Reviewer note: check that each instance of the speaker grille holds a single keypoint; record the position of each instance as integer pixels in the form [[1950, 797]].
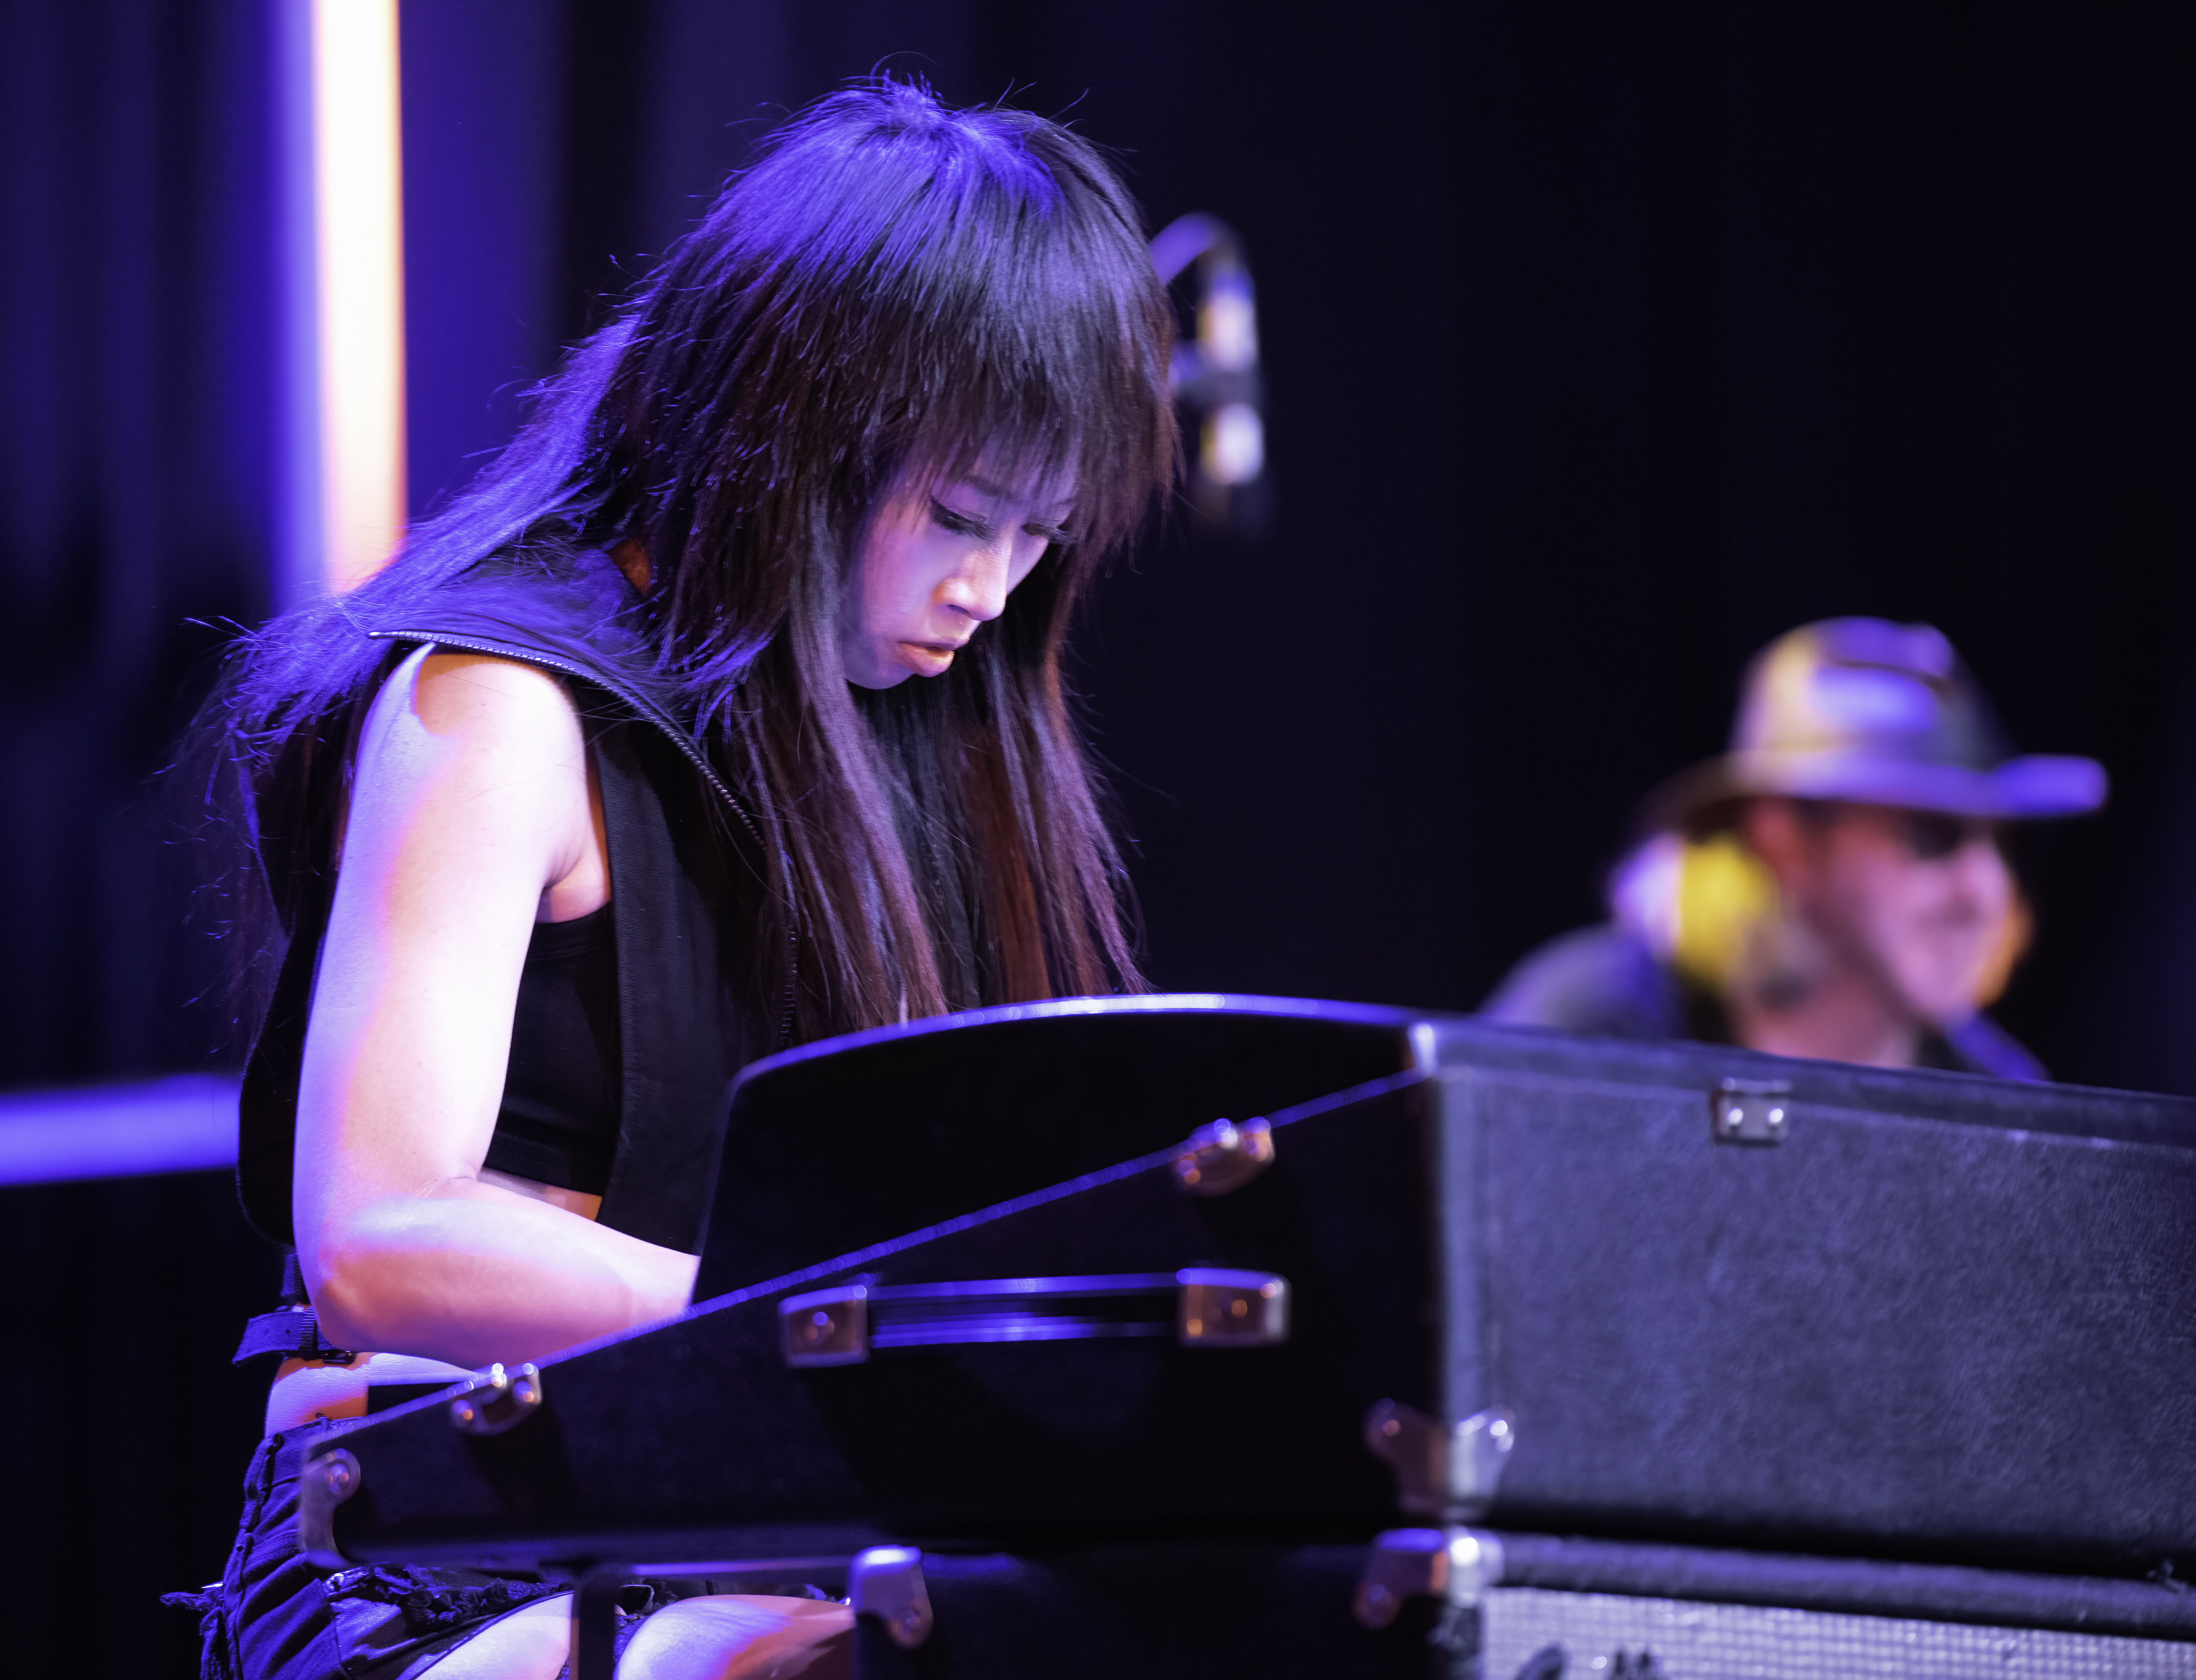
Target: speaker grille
[[1601, 1636]]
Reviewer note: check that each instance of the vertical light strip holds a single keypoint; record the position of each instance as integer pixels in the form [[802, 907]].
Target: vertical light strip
[[301, 564], [359, 251]]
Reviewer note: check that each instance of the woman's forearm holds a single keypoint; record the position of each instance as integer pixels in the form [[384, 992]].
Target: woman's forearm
[[471, 1273]]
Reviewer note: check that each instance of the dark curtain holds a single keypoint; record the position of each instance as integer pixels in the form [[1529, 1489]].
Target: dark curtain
[[1606, 341], [135, 494], [1780, 312], [136, 361]]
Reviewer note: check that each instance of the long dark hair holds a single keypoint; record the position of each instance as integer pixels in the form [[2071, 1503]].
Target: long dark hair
[[892, 288]]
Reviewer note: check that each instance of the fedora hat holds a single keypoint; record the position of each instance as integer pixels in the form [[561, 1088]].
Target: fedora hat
[[1879, 713]]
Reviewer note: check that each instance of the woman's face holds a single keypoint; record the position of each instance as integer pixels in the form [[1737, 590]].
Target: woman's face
[[939, 559]]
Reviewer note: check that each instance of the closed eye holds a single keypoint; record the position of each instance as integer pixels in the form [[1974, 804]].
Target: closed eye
[[960, 524], [1051, 534]]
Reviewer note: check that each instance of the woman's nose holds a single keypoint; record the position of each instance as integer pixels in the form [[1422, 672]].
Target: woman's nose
[[980, 588]]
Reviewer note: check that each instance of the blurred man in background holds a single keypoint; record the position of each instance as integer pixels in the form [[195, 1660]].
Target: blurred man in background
[[1832, 886]]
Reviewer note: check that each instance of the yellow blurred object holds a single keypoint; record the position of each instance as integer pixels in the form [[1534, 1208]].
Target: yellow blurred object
[[1727, 902], [2011, 944]]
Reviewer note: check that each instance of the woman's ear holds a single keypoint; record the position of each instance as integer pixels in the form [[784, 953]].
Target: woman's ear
[[631, 558]]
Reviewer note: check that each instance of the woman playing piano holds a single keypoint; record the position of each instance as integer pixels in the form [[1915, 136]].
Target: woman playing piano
[[616, 779]]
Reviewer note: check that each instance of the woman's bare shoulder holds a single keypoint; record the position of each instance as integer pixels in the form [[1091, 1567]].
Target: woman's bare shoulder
[[484, 748], [453, 691], [472, 705]]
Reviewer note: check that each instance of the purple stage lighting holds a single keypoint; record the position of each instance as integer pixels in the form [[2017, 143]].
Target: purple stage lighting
[[187, 1124]]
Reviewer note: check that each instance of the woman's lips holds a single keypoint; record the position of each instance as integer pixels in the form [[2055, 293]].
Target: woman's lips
[[929, 659]]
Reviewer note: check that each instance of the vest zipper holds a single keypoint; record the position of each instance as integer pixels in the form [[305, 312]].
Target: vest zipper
[[668, 726]]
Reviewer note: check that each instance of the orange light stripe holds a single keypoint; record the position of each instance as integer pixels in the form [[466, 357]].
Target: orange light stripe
[[359, 246]]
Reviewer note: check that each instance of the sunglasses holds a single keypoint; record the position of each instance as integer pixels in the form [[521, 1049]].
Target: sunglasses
[[1932, 836]]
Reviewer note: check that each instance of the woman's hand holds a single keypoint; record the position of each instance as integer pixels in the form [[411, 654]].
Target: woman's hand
[[471, 817]]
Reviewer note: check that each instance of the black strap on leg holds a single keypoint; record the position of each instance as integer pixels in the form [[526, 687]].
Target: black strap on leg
[[292, 1330], [594, 1625]]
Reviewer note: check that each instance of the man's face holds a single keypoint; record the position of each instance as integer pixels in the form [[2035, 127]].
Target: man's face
[[1918, 901]]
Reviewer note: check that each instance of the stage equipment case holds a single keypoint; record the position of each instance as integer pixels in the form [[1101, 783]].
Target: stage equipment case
[[1093, 1290]]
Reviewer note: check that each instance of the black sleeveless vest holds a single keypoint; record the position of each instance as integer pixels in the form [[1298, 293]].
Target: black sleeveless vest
[[699, 988]]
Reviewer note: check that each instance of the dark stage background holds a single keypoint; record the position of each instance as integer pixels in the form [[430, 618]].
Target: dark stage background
[[1604, 342]]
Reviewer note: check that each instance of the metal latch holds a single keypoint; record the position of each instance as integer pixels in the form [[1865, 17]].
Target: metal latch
[[887, 1582], [497, 1399], [1230, 1309], [1454, 1565], [1199, 1306], [1447, 1471], [323, 1484], [825, 1327], [1224, 1156], [1749, 1111]]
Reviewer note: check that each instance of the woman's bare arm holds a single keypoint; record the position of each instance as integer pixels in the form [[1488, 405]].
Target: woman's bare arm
[[470, 810]]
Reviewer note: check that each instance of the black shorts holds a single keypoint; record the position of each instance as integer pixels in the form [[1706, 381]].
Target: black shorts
[[273, 1616]]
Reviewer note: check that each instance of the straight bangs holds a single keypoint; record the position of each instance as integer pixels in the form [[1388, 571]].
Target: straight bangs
[[893, 290], [1029, 340], [1004, 309]]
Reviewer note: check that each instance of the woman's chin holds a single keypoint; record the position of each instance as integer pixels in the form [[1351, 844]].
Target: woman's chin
[[869, 669]]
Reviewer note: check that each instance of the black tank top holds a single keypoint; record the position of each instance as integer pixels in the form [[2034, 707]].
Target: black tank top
[[559, 1120]]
